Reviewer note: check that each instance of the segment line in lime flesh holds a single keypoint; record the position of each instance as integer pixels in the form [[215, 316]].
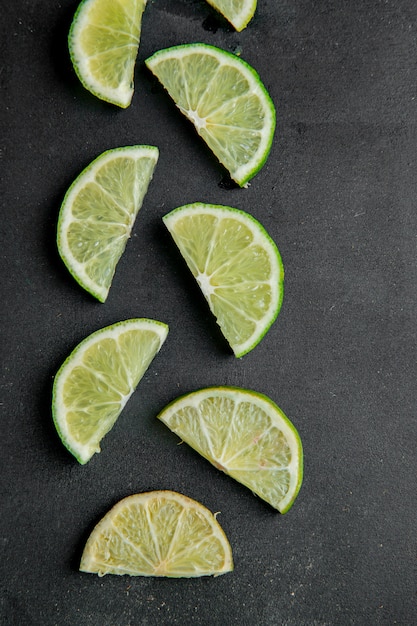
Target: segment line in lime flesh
[[238, 12], [97, 379], [225, 99], [244, 434], [159, 533], [98, 213], [103, 43], [237, 266]]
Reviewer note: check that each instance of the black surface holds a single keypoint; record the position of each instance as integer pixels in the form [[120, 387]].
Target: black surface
[[338, 195]]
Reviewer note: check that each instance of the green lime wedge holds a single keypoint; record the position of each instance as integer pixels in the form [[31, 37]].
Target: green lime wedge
[[103, 44], [244, 434], [98, 213], [160, 533], [238, 12], [97, 379], [237, 266], [226, 101]]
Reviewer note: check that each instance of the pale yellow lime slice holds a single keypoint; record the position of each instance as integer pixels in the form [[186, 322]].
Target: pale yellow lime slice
[[244, 434], [237, 266], [97, 379], [225, 99], [103, 43], [160, 533], [98, 213], [238, 12]]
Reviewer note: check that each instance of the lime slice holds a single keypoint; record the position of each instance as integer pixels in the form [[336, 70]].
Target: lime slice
[[98, 213], [244, 434], [226, 101], [160, 533], [237, 266], [238, 12], [97, 379], [103, 44]]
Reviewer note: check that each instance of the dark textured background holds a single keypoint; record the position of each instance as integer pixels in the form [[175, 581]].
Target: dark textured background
[[338, 195]]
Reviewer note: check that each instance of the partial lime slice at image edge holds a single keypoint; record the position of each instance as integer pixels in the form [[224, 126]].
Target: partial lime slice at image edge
[[244, 434], [103, 43], [159, 533], [225, 99], [94, 383], [237, 266], [99, 211], [238, 12]]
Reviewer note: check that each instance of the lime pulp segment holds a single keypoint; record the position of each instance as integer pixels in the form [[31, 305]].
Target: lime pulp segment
[[97, 379], [98, 212], [244, 434], [103, 43], [225, 99], [237, 266], [160, 533]]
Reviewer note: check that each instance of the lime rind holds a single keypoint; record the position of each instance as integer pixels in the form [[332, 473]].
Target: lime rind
[[238, 12], [121, 92], [88, 175], [261, 238], [84, 452], [220, 137], [206, 447]]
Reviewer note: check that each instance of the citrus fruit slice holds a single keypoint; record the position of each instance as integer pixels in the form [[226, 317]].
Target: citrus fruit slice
[[103, 43], [226, 101], [238, 12], [94, 383], [160, 533], [244, 434], [237, 266], [98, 213]]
